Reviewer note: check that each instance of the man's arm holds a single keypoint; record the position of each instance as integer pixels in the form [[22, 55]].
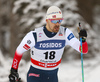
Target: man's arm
[[27, 43], [75, 43], [83, 35]]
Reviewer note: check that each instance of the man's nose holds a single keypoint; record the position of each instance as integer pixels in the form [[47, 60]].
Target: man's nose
[[57, 23]]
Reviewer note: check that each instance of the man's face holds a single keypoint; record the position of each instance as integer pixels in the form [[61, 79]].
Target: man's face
[[53, 25]]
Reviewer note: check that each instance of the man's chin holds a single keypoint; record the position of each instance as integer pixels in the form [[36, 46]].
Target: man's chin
[[56, 31]]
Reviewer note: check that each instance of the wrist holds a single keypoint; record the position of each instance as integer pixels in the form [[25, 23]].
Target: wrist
[[83, 39], [13, 70]]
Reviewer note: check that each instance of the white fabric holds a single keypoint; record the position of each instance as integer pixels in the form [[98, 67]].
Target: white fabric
[[53, 12], [74, 42], [29, 36]]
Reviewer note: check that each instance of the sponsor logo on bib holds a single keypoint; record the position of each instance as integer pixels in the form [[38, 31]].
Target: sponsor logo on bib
[[50, 44]]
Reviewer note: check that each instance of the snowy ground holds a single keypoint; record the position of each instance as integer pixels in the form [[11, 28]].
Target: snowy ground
[[71, 71], [68, 72]]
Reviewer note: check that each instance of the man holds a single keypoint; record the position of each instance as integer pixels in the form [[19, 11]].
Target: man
[[47, 45]]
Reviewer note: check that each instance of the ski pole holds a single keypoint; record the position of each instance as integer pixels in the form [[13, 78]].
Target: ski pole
[[81, 55]]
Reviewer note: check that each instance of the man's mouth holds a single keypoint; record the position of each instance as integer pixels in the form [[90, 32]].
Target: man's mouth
[[57, 27]]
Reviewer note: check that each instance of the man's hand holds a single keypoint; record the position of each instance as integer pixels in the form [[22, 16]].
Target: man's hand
[[14, 76], [83, 34]]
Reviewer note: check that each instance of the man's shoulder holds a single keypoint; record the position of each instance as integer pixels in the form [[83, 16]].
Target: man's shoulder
[[31, 32], [38, 29], [62, 27], [35, 30]]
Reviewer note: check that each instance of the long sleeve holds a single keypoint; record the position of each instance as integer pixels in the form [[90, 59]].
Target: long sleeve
[[27, 43], [72, 41]]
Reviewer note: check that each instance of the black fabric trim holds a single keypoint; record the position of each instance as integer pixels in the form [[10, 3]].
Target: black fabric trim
[[48, 33], [35, 37]]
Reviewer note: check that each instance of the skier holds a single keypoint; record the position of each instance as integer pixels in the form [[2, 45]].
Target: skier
[[46, 45]]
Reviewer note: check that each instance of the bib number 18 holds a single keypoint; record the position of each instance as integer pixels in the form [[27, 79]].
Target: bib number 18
[[50, 55]]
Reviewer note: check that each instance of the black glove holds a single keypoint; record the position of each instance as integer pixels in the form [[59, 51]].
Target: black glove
[[14, 76], [83, 35]]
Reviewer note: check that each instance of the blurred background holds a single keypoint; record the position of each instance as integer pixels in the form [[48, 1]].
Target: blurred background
[[18, 17]]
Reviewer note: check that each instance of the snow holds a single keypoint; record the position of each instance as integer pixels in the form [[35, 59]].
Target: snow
[[32, 5], [69, 71], [18, 4]]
